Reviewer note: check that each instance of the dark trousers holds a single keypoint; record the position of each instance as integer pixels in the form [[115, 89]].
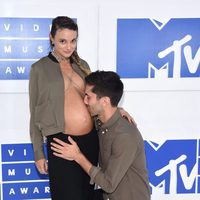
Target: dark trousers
[[68, 181], [98, 194]]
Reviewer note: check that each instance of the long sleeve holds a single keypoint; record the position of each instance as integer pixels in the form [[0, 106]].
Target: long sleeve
[[121, 159], [35, 134]]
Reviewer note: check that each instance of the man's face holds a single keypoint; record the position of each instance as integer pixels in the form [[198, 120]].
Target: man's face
[[94, 104]]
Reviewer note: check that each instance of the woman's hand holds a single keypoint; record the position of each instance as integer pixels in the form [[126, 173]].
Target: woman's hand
[[42, 166], [126, 115]]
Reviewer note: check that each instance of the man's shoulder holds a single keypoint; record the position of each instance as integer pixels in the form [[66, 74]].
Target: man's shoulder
[[123, 123], [123, 126]]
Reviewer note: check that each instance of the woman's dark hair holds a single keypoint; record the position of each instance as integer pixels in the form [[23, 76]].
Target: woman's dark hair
[[64, 22]]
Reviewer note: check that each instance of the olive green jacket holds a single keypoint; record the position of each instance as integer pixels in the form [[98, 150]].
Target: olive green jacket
[[46, 100], [122, 172]]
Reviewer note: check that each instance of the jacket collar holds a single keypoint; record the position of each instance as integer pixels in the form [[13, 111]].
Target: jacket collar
[[52, 57], [115, 117], [74, 66]]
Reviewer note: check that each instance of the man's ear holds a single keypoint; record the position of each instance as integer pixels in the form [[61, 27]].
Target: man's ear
[[106, 101]]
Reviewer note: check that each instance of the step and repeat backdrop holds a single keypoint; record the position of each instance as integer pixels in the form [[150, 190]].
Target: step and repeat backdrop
[[154, 47]]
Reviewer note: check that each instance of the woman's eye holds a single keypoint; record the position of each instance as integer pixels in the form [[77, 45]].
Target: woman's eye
[[62, 41]]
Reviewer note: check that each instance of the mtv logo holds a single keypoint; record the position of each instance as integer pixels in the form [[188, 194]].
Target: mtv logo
[[159, 189], [156, 73], [141, 42], [173, 169], [160, 23]]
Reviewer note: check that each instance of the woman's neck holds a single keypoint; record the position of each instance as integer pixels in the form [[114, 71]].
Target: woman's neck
[[58, 57]]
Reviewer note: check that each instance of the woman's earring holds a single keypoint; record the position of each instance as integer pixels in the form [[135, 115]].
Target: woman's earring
[[53, 48]]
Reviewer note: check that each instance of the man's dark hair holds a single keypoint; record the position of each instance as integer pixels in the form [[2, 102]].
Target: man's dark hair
[[106, 83]]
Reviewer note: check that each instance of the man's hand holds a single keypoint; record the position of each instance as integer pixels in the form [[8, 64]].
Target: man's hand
[[42, 166], [70, 152], [67, 151]]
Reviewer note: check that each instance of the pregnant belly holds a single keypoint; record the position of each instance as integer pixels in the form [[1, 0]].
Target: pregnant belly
[[77, 118]]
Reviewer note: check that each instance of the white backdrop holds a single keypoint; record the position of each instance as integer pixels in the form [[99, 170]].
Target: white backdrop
[[167, 111]]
